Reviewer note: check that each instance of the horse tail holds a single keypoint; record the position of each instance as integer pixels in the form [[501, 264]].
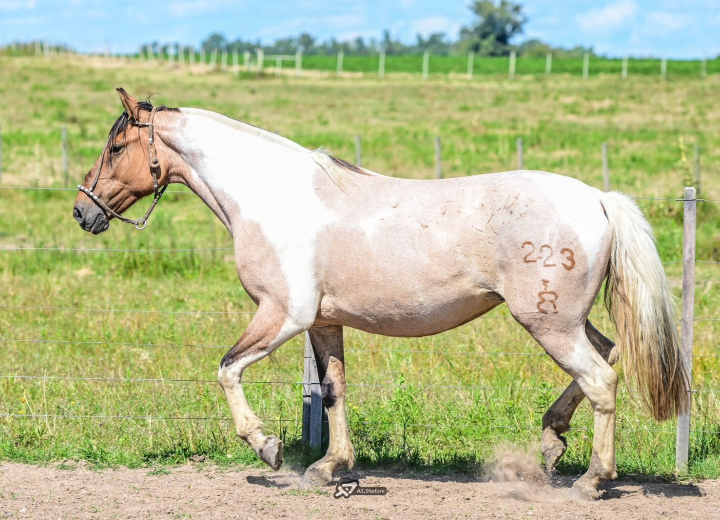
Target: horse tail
[[642, 307]]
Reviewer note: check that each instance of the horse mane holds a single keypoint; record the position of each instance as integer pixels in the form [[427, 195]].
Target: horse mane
[[122, 122], [339, 170]]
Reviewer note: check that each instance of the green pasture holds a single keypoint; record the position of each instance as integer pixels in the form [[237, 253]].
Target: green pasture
[[438, 404]]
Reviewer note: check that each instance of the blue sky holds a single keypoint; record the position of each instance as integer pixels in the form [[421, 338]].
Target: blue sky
[[671, 28]]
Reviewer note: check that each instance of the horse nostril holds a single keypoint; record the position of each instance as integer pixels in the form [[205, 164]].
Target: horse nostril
[[77, 214]]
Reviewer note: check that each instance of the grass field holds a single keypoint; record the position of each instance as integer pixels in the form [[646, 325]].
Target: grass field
[[409, 399]]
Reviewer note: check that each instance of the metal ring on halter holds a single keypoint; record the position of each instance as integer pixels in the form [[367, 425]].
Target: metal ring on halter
[[140, 226]]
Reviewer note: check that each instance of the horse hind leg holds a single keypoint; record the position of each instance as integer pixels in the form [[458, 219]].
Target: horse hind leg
[[327, 344], [556, 420]]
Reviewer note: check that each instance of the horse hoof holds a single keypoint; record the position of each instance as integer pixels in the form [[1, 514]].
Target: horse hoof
[[553, 447], [272, 452], [315, 477], [584, 489]]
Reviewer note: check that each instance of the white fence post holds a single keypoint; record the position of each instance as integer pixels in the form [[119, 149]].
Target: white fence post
[[381, 65], [682, 448], [663, 68], [520, 153], [426, 65], [340, 57], [438, 158], [236, 63], [298, 63], [624, 72], [548, 63], [260, 60], [471, 60], [606, 171], [511, 68], [586, 65], [246, 61], [312, 399]]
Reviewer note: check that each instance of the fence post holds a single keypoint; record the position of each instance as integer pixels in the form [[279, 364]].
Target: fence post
[[358, 150], [471, 59], [381, 66], [278, 65], [548, 63], [623, 74], [586, 65], [682, 448], [223, 64], [438, 158], [698, 184], [312, 399], [663, 68], [246, 60], [298, 63], [66, 169], [340, 57], [260, 60], [606, 171], [426, 65], [511, 68], [520, 153], [236, 63]]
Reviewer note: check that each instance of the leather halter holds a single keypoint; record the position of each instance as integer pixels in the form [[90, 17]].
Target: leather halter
[[155, 171]]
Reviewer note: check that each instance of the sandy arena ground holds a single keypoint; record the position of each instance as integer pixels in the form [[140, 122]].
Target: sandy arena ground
[[201, 491]]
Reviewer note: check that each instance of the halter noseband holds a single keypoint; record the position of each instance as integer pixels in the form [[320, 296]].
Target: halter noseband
[[155, 171]]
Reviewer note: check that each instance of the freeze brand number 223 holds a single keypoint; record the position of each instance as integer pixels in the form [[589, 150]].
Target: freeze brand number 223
[[546, 255]]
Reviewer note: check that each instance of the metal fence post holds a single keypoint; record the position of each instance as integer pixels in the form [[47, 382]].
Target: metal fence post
[[682, 448], [312, 399], [438, 158]]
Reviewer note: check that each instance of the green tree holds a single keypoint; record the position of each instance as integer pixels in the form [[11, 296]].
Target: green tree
[[495, 26]]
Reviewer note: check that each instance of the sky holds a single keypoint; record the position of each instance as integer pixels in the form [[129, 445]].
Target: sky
[[661, 28]]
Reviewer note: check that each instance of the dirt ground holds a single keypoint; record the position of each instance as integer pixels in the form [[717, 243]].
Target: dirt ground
[[202, 491]]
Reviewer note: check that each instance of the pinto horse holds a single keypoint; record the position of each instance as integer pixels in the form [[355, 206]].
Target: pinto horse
[[321, 244]]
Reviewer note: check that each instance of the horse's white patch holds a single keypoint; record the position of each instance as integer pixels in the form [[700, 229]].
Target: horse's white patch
[[282, 202], [577, 205]]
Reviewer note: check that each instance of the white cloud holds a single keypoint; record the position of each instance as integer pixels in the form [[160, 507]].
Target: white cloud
[[609, 18], [667, 22], [17, 5], [435, 24]]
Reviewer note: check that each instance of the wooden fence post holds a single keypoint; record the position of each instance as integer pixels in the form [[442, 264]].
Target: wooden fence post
[[312, 399], [260, 60], [682, 448], [698, 184], [663, 68], [236, 63], [606, 171], [426, 65], [520, 153], [340, 57], [358, 150], [381, 65], [438, 158], [586, 65], [298, 63], [66, 168], [471, 60], [548, 63], [624, 72], [246, 60], [511, 67]]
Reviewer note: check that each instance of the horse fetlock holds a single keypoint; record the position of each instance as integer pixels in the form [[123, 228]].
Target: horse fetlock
[[271, 452], [319, 474], [586, 488]]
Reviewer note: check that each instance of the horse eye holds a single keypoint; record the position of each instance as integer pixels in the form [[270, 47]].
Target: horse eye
[[116, 149]]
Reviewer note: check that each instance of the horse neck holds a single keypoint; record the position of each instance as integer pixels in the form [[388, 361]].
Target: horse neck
[[230, 163]]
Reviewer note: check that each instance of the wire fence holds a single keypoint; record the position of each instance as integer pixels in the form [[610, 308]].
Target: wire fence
[[165, 380]]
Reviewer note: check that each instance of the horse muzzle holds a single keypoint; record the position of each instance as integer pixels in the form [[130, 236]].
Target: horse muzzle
[[91, 219]]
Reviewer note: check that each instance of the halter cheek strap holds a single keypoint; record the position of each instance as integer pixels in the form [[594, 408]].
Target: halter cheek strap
[[155, 171]]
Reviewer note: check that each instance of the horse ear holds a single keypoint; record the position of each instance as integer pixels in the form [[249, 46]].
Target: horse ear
[[130, 104]]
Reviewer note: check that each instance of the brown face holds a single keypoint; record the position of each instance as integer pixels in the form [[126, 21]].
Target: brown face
[[124, 174]]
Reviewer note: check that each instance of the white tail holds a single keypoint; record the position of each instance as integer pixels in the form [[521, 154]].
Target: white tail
[[642, 308]]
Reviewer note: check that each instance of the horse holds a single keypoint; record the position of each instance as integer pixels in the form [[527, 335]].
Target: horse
[[321, 244]]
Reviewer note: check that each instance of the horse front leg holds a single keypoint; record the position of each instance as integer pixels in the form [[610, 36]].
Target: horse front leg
[[556, 420], [327, 344], [269, 328]]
